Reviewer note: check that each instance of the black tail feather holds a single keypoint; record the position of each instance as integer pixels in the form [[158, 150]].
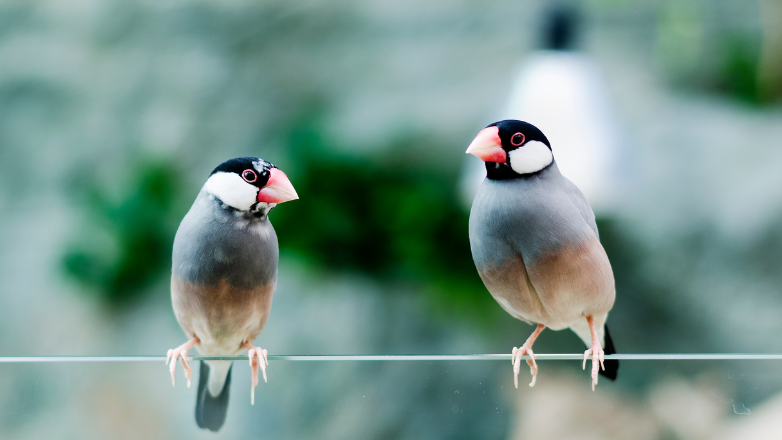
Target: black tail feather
[[612, 365], [210, 411]]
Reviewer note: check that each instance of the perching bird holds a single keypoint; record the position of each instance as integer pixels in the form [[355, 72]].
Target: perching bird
[[535, 244], [224, 274]]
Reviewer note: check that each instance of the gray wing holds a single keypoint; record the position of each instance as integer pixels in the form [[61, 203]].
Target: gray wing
[[528, 217], [564, 261], [580, 201], [548, 214]]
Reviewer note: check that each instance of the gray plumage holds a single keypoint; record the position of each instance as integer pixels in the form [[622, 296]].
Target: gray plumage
[[517, 226], [533, 214], [536, 246], [215, 243], [224, 274]]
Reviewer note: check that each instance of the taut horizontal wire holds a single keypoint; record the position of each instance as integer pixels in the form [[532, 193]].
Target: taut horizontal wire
[[403, 357]]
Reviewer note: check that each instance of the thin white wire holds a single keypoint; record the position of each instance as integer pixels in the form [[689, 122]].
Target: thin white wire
[[403, 357]]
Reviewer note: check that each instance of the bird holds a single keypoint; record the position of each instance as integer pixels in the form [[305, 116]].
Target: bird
[[224, 273], [536, 246]]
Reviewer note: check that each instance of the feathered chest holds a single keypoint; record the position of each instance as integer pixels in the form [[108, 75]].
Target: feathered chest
[[214, 246], [511, 219]]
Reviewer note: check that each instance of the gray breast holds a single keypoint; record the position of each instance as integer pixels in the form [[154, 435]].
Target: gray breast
[[214, 244], [528, 217]]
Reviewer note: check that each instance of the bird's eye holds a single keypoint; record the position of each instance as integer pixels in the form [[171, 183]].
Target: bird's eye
[[249, 176], [517, 139]]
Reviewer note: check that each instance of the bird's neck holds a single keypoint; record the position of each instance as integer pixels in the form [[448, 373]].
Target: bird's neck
[[258, 213], [501, 171]]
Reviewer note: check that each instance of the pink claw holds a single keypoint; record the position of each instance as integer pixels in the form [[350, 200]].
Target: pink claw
[[516, 356], [258, 360], [177, 353], [597, 353]]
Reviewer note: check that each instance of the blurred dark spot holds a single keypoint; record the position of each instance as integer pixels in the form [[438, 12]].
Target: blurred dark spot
[[561, 26]]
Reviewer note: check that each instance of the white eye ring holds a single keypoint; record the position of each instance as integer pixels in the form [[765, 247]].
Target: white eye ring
[[249, 176], [516, 143]]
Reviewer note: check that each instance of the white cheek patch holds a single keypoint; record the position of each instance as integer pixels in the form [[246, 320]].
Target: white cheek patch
[[232, 190], [530, 158]]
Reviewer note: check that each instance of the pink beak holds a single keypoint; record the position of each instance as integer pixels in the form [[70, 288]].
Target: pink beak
[[278, 189], [487, 146]]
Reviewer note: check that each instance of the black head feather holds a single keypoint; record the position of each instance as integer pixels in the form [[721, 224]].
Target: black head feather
[[238, 165], [509, 128]]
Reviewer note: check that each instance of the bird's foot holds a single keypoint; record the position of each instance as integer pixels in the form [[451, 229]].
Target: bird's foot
[[515, 359], [258, 360], [598, 356], [181, 352]]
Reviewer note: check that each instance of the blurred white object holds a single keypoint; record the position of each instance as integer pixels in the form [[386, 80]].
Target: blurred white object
[[563, 94]]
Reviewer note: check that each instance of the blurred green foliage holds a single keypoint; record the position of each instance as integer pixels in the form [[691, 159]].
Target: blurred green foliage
[[739, 70], [124, 245], [727, 55], [395, 216]]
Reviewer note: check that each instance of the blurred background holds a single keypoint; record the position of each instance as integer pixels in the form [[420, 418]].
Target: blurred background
[[667, 113]]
